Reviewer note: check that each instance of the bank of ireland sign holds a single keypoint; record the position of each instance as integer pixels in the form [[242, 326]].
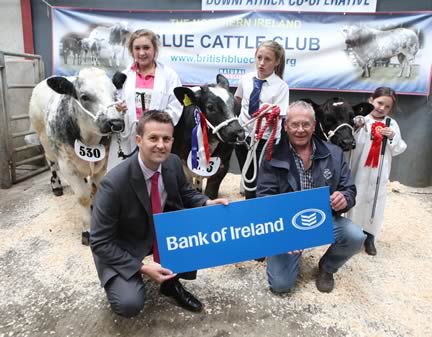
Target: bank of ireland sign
[[217, 235]]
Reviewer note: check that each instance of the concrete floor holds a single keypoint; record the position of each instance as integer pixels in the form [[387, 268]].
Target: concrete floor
[[49, 287]]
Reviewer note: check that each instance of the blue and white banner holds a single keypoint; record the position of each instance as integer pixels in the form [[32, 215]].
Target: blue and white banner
[[325, 52], [212, 236], [291, 5]]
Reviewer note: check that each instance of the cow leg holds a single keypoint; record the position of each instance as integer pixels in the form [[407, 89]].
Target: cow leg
[[197, 183], [195, 180], [402, 61], [82, 190], [367, 70], [223, 151], [56, 185]]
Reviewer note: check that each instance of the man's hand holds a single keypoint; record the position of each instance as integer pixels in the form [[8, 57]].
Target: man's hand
[[338, 201], [222, 201], [295, 252], [156, 272]]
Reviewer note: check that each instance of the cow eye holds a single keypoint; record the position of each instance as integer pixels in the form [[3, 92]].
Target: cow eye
[[329, 120], [210, 107], [85, 98]]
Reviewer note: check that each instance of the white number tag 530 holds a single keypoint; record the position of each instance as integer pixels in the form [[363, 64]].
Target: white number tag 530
[[89, 153]]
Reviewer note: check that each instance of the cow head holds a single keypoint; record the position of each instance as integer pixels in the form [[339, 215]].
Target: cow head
[[335, 120], [217, 104], [94, 94], [356, 36]]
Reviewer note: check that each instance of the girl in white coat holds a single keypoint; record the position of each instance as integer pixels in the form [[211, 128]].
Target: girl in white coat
[[149, 86], [365, 164]]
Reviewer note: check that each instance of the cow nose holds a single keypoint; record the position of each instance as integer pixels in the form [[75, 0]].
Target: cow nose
[[348, 144], [241, 136], [116, 125]]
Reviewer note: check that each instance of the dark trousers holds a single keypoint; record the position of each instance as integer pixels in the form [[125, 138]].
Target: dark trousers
[[241, 153], [127, 297]]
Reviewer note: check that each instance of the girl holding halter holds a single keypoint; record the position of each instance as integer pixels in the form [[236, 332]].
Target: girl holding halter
[[263, 86]]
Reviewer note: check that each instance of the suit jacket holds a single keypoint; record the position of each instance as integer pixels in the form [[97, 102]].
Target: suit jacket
[[121, 232]]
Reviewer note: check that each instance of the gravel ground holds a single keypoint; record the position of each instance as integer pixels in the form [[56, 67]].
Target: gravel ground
[[49, 286]]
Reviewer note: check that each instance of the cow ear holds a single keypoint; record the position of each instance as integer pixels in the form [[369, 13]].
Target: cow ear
[[317, 108], [222, 81], [185, 96], [362, 109], [118, 79], [62, 86]]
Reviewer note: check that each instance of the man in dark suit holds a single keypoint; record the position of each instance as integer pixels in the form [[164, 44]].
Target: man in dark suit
[[122, 229]]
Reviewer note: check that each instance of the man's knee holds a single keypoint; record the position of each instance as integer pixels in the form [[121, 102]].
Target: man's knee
[[128, 306], [281, 285], [282, 272], [126, 297], [353, 236]]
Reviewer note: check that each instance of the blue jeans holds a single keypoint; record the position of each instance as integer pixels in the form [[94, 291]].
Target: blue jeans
[[283, 269]]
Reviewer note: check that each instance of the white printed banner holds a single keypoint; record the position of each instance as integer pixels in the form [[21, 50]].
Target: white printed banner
[[334, 52], [291, 5]]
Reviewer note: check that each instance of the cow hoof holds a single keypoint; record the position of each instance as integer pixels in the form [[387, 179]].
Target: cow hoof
[[85, 238], [58, 191]]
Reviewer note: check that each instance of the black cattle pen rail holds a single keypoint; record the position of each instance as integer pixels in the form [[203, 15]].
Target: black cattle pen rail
[[18, 161]]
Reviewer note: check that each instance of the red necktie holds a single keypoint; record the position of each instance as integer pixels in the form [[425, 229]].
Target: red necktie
[[156, 208]]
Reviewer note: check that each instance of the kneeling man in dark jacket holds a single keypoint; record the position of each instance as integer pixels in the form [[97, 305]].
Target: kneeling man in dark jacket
[[122, 228], [302, 161]]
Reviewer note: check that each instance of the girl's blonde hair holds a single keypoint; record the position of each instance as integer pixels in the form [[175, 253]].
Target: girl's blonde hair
[[140, 33], [279, 54]]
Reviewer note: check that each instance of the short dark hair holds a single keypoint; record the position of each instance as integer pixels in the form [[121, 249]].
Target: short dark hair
[[153, 115]]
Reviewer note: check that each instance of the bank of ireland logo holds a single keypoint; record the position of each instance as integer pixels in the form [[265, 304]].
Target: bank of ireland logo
[[308, 219]]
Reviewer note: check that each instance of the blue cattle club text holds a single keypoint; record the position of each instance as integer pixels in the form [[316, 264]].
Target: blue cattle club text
[[238, 41]]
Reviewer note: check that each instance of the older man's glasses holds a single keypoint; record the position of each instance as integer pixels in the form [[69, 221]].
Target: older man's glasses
[[296, 126]]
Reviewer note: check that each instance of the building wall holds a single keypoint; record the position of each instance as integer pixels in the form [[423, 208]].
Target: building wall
[[11, 33]]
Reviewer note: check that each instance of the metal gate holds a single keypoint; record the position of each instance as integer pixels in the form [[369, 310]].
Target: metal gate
[[18, 160]]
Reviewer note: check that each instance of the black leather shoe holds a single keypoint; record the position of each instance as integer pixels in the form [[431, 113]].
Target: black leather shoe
[[185, 299], [325, 281], [370, 244]]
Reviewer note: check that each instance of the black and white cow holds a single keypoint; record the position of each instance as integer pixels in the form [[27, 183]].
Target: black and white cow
[[335, 120], [218, 105], [73, 117]]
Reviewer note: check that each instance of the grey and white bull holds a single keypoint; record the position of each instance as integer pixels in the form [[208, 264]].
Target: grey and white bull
[[335, 120], [371, 45], [218, 106], [74, 117]]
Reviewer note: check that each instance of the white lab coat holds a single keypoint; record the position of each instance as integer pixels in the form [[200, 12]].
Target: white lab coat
[[365, 178], [163, 98]]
